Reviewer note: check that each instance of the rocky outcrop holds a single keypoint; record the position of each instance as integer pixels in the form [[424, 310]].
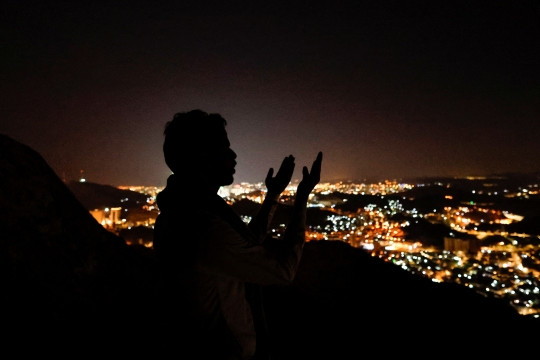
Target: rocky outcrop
[[63, 275]]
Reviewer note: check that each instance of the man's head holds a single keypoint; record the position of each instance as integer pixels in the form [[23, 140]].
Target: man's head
[[196, 145]]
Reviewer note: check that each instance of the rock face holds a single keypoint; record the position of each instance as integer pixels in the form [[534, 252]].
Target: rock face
[[67, 282], [63, 274]]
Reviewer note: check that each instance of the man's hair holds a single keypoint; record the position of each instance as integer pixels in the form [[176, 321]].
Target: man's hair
[[189, 134]]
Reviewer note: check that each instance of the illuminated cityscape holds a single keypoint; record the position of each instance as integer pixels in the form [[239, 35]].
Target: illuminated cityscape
[[475, 243]]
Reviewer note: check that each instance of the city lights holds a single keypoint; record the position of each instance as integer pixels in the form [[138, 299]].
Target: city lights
[[476, 251]]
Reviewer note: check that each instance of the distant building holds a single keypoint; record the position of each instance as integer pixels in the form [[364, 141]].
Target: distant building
[[114, 215], [108, 217], [99, 215]]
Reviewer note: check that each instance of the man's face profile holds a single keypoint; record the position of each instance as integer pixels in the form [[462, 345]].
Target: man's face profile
[[219, 161]]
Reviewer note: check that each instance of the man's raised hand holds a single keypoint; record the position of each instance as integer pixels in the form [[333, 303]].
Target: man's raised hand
[[276, 185], [309, 179]]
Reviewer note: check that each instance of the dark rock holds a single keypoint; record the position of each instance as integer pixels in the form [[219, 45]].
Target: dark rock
[[343, 302], [63, 275]]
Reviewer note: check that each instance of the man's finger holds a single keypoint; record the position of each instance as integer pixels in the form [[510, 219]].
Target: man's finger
[[288, 162], [316, 167], [287, 168], [283, 165], [270, 173]]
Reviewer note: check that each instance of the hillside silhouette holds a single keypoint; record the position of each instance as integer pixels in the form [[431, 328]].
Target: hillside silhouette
[[65, 278], [68, 283], [96, 196], [529, 225]]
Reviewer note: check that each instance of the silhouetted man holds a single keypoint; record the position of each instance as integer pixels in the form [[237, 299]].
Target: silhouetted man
[[215, 261]]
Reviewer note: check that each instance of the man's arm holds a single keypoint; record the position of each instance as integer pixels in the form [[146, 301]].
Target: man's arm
[[229, 254], [260, 223], [225, 252], [275, 186], [296, 226]]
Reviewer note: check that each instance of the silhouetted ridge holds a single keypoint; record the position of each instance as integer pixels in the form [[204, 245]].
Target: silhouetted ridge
[[95, 196], [65, 276], [529, 225], [344, 301]]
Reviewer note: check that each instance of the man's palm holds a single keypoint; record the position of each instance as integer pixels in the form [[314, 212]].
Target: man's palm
[[310, 178], [283, 177]]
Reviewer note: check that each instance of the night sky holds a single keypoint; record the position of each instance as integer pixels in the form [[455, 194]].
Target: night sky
[[387, 90]]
